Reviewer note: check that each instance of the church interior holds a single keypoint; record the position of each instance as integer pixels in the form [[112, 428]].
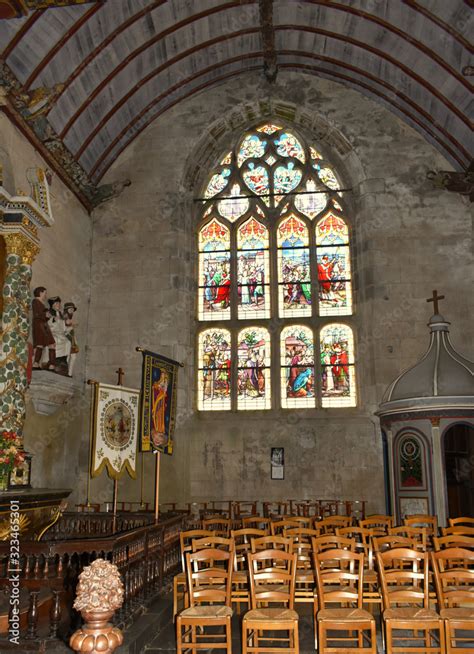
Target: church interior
[[237, 271]]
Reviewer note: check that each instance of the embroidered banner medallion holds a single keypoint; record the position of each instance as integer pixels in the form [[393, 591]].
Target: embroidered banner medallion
[[115, 430]]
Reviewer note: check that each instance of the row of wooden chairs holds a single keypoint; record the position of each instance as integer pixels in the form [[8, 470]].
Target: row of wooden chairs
[[377, 524], [272, 574], [304, 541]]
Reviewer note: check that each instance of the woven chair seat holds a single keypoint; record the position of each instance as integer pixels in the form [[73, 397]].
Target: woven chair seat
[[355, 615], [207, 612], [411, 613], [457, 614], [273, 614]]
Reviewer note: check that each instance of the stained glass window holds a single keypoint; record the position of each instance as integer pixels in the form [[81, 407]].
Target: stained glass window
[[214, 387], [297, 367], [337, 366], [274, 244], [253, 270], [294, 268], [334, 266], [214, 271], [253, 379]]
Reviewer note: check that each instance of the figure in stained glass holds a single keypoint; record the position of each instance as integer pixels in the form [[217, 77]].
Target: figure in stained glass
[[252, 147], [256, 178], [215, 271], [215, 369], [289, 146], [286, 178], [297, 357], [253, 385], [218, 182], [294, 268], [336, 351], [252, 269], [333, 261]]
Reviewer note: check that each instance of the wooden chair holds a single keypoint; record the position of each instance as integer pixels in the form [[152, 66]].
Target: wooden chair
[[179, 580], [453, 540], [455, 592], [384, 543], [221, 526], [379, 524], [278, 527], [241, 509], [256, 522], [274, 509], [303, 548], [418, 534], [216, 542], [429, 522], [272, 581], [329, 525], [331, 542], [271, 542], [240, 580], [209, 602], [363, 545], [459, 529], [461, 522], [340, 577], [404, 579]]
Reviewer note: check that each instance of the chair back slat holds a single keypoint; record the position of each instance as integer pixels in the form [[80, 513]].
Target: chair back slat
[[272, 574], [454, 577], [404, 577], [209, 576], [186, 539], [339, 577]]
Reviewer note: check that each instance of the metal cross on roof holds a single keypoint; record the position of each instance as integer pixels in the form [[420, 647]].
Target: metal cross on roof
[[435, 300]]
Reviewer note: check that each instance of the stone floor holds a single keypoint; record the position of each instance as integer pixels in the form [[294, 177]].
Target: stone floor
[[165, 640], [154, 632]]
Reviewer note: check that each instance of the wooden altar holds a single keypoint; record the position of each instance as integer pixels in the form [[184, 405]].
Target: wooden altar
[[38, 508]]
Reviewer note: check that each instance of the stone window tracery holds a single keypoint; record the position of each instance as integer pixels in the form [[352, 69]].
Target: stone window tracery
[[274, 267]]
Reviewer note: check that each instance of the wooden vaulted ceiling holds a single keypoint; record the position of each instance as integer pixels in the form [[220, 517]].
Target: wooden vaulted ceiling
[[122, 63]]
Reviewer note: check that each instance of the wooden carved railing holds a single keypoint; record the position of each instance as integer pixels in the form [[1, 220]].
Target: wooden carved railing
[[146, 556]]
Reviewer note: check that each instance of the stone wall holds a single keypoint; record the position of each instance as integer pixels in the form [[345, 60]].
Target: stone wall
[[63, 266], [409, 239]]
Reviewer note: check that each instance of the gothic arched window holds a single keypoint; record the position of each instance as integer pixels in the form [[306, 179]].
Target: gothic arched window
[[274, 267]]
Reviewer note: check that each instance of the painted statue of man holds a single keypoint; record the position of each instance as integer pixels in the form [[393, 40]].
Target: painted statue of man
[[42, 336], [68, 314]]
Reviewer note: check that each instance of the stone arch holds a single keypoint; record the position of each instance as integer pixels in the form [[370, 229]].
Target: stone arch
[[222, 132]]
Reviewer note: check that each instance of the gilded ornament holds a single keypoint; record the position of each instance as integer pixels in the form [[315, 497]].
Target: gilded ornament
[[21, 246]]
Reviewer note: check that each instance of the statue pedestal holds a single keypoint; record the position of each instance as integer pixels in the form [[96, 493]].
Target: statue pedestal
[[38, 508], [49, 391]]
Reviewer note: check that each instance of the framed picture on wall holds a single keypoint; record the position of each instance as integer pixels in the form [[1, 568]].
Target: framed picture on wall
[[277, 463], [413, 506], [21, 475]]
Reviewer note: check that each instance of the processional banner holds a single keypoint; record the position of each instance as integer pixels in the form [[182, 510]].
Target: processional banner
[[158, 403], [114, 430]]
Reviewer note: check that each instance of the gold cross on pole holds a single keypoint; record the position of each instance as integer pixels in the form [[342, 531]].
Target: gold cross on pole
[[435, 299], [121, 374]]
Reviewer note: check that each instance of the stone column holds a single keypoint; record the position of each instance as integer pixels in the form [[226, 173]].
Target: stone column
[[20, 253], [438, 473]]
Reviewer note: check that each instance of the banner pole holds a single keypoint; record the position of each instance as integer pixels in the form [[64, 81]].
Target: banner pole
[[157, 484], [142, 504], [91, 383], [120, 375]]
